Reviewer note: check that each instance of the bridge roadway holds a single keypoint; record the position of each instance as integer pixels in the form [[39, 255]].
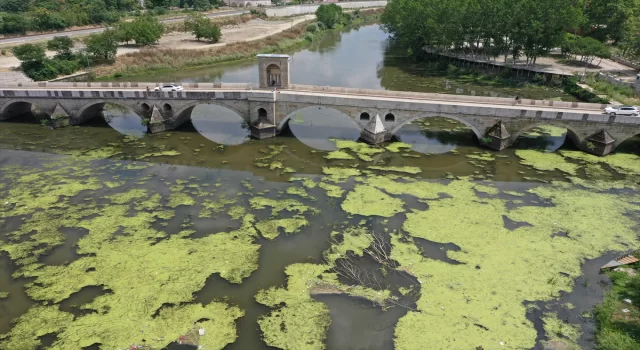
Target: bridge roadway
[[497, 122]]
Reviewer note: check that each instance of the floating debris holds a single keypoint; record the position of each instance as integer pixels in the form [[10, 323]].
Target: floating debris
[[623, 260]]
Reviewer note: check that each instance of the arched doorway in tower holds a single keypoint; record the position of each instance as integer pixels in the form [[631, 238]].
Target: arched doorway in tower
[[274, 75]]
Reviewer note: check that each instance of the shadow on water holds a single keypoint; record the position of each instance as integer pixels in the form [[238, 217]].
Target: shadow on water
[[436, 135], [315, 126], [124, 120], [220, 124]]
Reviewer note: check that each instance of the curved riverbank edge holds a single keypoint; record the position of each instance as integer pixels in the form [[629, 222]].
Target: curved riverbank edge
[[154, 61]]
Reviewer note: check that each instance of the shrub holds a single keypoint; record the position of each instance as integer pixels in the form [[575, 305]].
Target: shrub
[[209, 31], [29, 52], [312, 28], [571, 87], [39, 70], [13, 23], [65, 67], [62, 45], [331, 15]]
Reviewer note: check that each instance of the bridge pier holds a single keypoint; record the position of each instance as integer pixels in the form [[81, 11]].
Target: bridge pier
[[497, 137], [600, 144], [374, 132]]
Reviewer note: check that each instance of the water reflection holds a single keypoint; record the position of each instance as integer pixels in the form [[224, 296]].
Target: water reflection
[[124, 120], [435, 135], [316, 126], [219, 124], [546, 138]]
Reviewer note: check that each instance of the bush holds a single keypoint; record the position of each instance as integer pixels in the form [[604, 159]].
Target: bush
[[313, 28], [13, 23], [29, 52], [144, 30], [571, 87], [65, 67], [209, 31], [62, 45], [39, 70]]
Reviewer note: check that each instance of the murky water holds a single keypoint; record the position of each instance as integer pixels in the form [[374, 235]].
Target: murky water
[[111, 238]]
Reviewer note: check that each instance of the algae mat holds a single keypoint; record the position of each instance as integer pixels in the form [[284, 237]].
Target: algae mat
[[142, 245]]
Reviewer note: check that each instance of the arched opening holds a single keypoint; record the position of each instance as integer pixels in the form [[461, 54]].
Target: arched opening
[[273, 75], [248, 4], [389, 117], [121, 118], [364, 116], [26, 111], [233, 4], [216, 123], [629, 145], [317, 126], [166, 108], [262, 114], [545, 137], [436, 134], [145, 108]]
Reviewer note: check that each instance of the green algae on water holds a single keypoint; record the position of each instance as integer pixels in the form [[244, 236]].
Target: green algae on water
[[342, 155], [334, 191], [546, 161], [368, 200], [398, 169], [4, 295], [363, 150], [269, 228], [397, 147]]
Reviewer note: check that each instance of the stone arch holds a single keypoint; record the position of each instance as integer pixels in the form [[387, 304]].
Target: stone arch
[[16, 107], [625, 137], [233, 4], [571, 133], [183, 114], [248, 4], [364, 116], [166, 108], [274, 77], [91, 110], [145, 108], [473, 128], [285, 120]]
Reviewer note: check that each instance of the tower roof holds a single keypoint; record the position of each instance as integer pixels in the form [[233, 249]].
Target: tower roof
[[601, 137], [499, 131], [375, 126]]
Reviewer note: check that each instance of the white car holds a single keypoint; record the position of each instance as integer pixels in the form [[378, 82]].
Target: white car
[[169, 87], [622, 110]]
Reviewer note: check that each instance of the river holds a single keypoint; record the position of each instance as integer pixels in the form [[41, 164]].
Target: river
[[111, 238]]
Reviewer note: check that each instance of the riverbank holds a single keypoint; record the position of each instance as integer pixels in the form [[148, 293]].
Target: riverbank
[[159, 60], [618, 315]]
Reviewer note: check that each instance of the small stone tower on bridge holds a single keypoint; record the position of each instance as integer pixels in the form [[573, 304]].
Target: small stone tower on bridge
[[274, 70]]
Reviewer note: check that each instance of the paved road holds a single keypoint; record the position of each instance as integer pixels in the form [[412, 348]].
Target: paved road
[[84, 32]]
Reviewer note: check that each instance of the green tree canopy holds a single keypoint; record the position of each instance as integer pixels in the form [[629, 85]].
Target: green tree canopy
[[209, 31], [144, 30], [29, 52], [103, 46], [62, 45], [330, 15]]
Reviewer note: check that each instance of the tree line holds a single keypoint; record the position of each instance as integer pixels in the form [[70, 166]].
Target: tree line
[[513, 28], [102, 47], [21, 16]]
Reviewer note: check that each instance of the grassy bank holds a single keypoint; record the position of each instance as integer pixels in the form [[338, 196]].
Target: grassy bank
[[155, 60], [617, 329], [624, 94]]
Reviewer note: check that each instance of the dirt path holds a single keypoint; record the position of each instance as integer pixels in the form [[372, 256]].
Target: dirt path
[[253, 30]]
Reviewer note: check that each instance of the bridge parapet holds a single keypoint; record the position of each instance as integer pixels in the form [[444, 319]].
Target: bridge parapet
[[74, 103]]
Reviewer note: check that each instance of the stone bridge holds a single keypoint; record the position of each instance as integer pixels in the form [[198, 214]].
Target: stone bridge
[[497, 122]]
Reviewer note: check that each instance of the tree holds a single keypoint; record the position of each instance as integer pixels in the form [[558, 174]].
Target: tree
[[610, 19], [144, 30], [193, 21], [12, 23], [330, 15], [62, 45], [209, 31], [103, 46], [14, 6], [589, 49], [29, 52], [201, 5], [44, 19]]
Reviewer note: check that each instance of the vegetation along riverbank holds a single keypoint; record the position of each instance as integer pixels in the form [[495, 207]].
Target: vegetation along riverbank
[[161, 60]]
